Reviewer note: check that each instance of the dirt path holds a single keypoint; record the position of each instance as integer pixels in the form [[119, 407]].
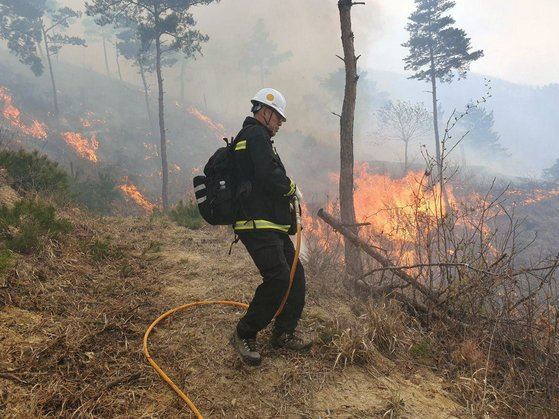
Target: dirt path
[[71, 332]]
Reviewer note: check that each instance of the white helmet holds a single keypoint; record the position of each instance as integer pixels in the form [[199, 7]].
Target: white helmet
[[273, 99]]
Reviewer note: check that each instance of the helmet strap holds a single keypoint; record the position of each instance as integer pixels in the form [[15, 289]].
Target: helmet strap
[[270, 118]]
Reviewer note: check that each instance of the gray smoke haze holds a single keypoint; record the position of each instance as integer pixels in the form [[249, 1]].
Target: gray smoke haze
[[220, 83]]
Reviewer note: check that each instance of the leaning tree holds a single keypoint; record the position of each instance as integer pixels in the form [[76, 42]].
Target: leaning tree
[[167, 25], [438, 51], [26, 24]]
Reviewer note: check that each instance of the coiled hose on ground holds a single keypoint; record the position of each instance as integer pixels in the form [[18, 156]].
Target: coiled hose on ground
[[162, 373]]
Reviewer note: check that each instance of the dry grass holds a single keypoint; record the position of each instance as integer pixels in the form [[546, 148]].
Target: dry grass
[[378, 329], [89, 323], [73, 316], [488, 308]]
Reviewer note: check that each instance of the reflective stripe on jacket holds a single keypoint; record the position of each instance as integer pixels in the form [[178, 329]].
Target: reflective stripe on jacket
[[265, 206]]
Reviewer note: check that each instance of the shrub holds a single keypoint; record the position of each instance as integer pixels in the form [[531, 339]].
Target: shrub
[[23, 227], [358, 340], [95, 194], [187, 215], [30, 171]]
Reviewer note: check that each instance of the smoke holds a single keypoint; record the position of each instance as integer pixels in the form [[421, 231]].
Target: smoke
[[221, 82], [309, 29]]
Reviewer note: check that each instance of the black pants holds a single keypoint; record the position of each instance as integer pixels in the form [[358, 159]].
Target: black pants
[[273, 254]]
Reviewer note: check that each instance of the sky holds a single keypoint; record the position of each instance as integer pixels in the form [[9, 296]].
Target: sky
[[519, 37]]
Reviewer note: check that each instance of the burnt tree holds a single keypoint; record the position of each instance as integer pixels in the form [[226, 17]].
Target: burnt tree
[[354, 266]]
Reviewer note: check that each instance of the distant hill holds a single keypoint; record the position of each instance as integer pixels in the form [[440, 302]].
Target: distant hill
[[525, 116]]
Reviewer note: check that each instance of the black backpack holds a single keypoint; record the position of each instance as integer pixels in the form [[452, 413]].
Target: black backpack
[[218, 193]]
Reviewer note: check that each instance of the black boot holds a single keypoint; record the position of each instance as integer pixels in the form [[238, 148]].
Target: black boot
[[290, 341], [246, 349]]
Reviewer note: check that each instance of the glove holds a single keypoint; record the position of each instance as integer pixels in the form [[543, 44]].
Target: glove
[[298, 194]]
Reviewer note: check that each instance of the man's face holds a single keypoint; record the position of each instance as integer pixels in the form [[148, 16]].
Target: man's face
[[272, 119]]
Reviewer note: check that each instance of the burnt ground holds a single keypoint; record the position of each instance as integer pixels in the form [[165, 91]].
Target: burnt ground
[[72, 320]]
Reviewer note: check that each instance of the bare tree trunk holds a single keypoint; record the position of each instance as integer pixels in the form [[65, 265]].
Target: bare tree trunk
[[146, 97], [54, 94], [436, 121], [407, 143], [439, 154], [106, 58], [354, 266], [118, 64], [163, 150]]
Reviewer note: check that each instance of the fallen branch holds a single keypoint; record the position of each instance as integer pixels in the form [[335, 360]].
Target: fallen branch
[[368, 249], [436, 309]]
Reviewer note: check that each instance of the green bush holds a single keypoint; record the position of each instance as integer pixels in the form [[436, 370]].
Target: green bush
[[187, 215], [95, 194], [23, 227], [30, 171]]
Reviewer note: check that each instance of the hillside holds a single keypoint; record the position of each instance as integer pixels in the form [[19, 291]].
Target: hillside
[[72, 319]]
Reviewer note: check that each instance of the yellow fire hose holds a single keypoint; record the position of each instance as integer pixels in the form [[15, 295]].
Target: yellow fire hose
[[162, 373]]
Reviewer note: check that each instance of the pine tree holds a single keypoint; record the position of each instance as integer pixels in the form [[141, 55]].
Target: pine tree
[[27, 23], [482, 136], [104, 34], [168, 27], [129, 46], [261, 52], [438, 51]]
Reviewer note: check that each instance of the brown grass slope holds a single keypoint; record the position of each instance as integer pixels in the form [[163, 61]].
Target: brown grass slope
[[72, 320]]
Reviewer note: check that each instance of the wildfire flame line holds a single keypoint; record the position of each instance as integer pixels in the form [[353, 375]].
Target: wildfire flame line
[[131, 191], [391, 207], [218, 128], [82, 146], [534, 196], [13, 115]]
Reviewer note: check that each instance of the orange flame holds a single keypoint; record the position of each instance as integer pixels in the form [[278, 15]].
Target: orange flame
[[90, 120], [534, 196], [13, 116], [389, 204], [82, 146], [391, 208], [132, 192], [218, 128]]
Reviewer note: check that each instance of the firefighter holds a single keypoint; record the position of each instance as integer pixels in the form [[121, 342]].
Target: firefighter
[[263, 225]]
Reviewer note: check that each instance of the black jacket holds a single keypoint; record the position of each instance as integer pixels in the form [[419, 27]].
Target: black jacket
[[265, 188]]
